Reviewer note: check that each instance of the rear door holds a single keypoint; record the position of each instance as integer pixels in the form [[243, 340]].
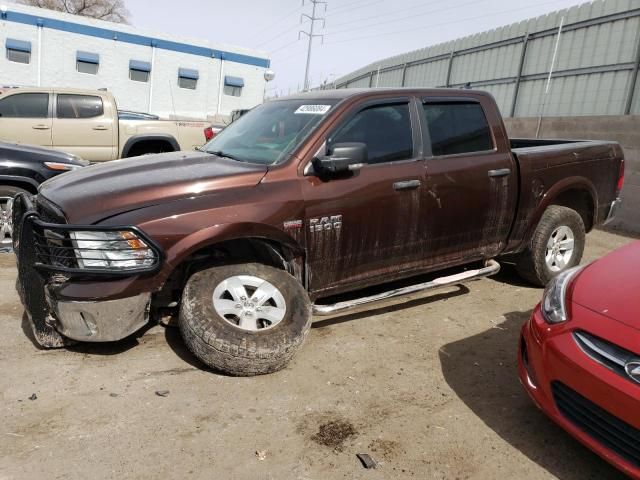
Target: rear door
[[365, 227], [471, 182], [26, 118], [84, 125]]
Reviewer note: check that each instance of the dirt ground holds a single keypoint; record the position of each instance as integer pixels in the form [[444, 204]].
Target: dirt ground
[[427, 387]]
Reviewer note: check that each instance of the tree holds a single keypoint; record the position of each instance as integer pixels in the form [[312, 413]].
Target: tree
[[110, 10]]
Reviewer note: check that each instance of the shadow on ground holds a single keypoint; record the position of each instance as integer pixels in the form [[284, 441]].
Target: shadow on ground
[[482, 371]]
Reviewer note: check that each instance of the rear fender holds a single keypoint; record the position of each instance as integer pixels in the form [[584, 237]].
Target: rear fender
[[551, 195]]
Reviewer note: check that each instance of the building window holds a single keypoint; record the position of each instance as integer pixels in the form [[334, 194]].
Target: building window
[[25, 105], [139, 71], [188, 78], [233, 86], [87, 62], [79, 106], [18, 50]]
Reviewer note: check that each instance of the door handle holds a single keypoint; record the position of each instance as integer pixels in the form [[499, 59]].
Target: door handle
[[100, 127], [41, 127], [407, 185], [500, 172]]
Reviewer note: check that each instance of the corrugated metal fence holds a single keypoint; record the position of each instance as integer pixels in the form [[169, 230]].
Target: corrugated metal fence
[[596, 70]]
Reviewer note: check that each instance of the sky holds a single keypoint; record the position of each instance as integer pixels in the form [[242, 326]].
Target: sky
[[356, 32]]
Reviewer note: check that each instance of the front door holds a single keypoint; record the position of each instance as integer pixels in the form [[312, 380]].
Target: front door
[[82, 127], [365, 227], [471, 182], [25, 118]]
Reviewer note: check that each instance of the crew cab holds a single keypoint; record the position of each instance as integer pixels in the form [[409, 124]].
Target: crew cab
[[87, 123], [295, 208]]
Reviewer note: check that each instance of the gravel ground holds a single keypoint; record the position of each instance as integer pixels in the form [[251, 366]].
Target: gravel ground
[[427, 387]]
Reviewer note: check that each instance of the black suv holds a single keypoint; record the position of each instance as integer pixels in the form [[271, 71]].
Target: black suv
[[22, 169]]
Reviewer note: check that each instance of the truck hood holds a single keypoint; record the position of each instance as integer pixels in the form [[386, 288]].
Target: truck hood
[[97, 192], [610, 286]]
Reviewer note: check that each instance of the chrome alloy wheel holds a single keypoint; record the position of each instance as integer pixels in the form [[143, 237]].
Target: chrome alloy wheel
[[560, 248], [6, 222], [249, 303]]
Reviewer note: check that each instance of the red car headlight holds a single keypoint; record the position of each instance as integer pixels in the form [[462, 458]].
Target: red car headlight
[[554, 299]]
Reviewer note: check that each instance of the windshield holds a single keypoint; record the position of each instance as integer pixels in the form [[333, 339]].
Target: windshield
[[269, 133]]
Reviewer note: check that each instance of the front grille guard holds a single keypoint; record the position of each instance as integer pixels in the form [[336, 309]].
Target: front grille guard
[[52, 249]]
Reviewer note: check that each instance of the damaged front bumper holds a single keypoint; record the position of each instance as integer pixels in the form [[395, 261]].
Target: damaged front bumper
[[103, 321], [56, 317]]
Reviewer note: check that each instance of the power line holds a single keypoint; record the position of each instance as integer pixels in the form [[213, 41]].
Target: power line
[[423, 27], [273, 24], [284, 46], [365, 3], [408, 17], [387, 14], [313, 19]]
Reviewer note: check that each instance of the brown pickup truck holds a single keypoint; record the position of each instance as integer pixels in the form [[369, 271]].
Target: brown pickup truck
[[295, 208]]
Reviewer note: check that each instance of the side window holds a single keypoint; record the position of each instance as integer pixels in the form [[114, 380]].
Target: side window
[[79, 106], [25, 105], [385, 129], [457, 127]]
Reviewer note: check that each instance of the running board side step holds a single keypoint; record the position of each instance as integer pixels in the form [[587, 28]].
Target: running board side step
[[491, 268]]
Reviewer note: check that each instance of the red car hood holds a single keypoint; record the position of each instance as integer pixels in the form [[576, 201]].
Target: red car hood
[[611, 286]]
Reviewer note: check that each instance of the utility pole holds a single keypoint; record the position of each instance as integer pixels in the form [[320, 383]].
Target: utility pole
[[313, 19]]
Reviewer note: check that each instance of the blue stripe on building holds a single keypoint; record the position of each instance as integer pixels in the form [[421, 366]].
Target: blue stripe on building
[[107, 34]]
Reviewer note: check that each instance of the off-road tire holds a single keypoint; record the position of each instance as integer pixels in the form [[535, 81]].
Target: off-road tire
[[531, 264], [234, 351]]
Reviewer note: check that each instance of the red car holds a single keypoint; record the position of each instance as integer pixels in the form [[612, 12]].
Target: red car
[[579, 356]]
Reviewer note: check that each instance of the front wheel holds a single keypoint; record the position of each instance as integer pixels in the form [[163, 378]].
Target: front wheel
[[557, 244], [244, 319], [7, 192]]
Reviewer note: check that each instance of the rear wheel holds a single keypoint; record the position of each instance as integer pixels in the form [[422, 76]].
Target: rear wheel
[[7, 192], [245, 319], [557, 244]]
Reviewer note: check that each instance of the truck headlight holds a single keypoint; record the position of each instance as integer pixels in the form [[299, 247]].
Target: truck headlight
[[111, 250], [554, 299]]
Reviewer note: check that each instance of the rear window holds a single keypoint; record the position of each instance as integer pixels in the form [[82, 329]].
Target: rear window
[[457, 127], [79, 106], [25, 105]]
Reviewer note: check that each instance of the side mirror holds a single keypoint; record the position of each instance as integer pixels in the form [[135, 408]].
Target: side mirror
[[344, 157]]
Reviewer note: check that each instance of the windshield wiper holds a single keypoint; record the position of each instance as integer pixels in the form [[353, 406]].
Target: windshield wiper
[[220, 153]]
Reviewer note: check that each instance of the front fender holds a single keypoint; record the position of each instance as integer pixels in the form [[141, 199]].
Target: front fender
[[215, 234]]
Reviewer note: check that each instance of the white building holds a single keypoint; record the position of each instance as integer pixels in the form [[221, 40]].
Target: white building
[[159, 74]]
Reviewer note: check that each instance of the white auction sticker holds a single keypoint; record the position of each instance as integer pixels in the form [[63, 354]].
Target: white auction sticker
[[313, 109]]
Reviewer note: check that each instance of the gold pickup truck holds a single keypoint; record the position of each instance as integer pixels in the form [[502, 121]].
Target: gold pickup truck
[[86, 123]]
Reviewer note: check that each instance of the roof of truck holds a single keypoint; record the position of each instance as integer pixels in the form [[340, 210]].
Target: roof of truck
[[342, 93]]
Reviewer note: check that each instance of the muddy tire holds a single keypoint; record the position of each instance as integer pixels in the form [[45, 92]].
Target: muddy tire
[[245, 319], [557, 244]]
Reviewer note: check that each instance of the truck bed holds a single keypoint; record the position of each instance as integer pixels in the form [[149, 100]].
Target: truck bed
[[546, 165]]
